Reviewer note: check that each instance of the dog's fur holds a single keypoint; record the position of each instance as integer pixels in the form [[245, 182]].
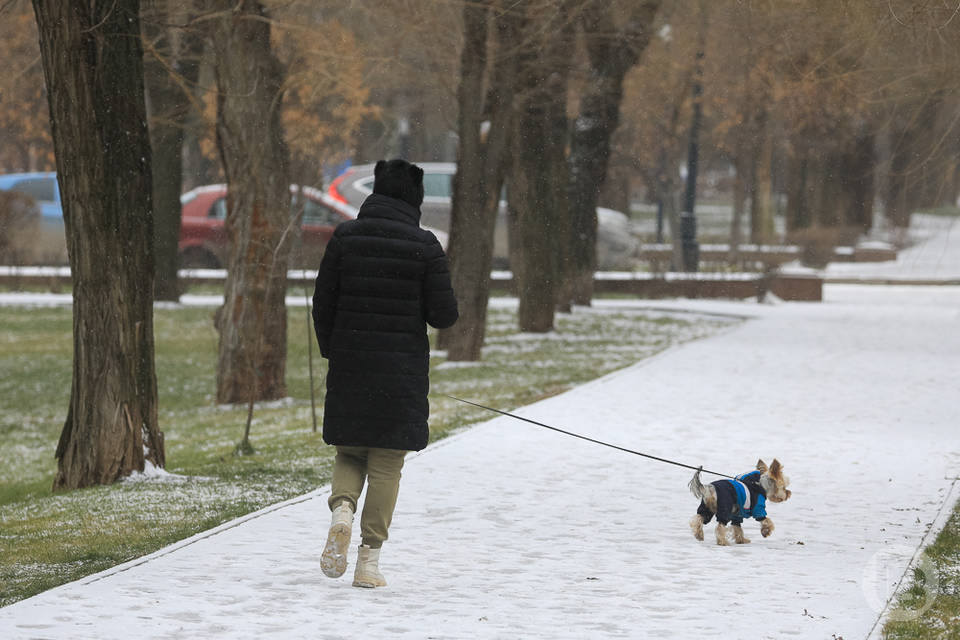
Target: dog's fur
[[773, 486]]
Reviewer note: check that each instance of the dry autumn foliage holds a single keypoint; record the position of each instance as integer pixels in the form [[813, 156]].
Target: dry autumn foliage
[[326, 97], [853, 105], [806, 78], [24, 119]]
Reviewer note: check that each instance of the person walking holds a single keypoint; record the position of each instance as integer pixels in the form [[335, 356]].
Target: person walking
[[381, 281]]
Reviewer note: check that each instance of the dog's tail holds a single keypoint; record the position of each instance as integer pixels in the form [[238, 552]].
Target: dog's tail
[[696, 487]]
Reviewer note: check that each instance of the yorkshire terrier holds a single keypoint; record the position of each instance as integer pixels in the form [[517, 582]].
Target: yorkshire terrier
[[732, 501]]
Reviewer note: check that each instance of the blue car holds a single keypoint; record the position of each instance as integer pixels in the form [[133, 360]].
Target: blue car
[[50, 246], [42, 187]]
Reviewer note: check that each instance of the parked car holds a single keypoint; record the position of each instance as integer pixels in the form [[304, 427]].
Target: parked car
[[203, 240], [203, 237], [47, 241], [616, 245]]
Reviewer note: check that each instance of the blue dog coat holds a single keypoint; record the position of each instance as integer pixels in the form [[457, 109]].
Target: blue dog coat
[[737, 500]]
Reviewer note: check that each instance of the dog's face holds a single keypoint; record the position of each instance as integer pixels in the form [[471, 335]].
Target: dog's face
[[773, 481]]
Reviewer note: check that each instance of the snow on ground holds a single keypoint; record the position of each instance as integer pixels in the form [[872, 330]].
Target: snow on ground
[[934, 256], [508, 530]]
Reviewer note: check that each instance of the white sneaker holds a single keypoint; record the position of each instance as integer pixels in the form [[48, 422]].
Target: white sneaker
[[367, 573], [333, 561]]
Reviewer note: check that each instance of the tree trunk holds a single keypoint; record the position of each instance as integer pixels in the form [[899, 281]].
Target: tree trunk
[[744, 163], [898, 196], [253, 320], [762, 228], [197, 168], [913, 162], [930, 146], [859, 169], [616, 190], [611, 55], [537, 191], [93, 63], [168, 74], [688, 219], [671, 212], [741, 186], [801, 194], [830, 197], [480, 173], [951, 194]]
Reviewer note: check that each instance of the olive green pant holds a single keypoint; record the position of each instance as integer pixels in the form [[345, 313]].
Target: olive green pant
[[380, 468]]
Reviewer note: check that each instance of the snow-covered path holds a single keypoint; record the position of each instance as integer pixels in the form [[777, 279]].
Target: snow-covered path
[[934, 256], [512, 531]]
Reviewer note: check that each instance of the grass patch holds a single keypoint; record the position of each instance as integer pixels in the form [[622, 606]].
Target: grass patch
[[47, 538], [929, 609], [947, 211]]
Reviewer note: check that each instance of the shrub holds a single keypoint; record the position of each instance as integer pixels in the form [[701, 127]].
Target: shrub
[[818, 243]]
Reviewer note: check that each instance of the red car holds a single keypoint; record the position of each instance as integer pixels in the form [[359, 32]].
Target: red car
[[203, 237]]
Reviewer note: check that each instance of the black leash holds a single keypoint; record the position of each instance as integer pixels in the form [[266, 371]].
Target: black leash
[[600, 442]]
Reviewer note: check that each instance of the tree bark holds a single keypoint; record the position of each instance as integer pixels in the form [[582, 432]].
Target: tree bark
[[611, 54], [914, 179], [898, 197], [480, 171], [741, 186], [761, 184], [745, 158], [169, 73], [833, 185], [93, 63], [857, 181], [688, 219], [537, 191], [665, 182], [252, 322], [801, 193]]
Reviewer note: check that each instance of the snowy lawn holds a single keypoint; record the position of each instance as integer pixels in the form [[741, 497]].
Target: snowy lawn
[[48, 539], [933, 588]]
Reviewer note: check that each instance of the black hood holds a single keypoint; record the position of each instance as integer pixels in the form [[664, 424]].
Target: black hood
[[380, 206]]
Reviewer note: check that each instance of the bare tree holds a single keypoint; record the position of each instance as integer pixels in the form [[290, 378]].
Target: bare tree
[[487, 79], [253, 320], [612, 51], [536, 192], [911, 70], [93, 64], [409, 53], [171, 70], [25, 141]]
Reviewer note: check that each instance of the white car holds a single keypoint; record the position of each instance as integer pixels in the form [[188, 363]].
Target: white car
[[616, 245]]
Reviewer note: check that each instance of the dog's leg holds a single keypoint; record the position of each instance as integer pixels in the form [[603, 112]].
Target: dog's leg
[[696, 525], [738, 536], [766, 527], [722, 535]]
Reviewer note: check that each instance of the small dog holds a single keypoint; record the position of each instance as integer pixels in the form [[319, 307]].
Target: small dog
[[731, 501]]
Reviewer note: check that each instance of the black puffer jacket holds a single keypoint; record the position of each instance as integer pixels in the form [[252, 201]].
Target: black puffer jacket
[[381, 281]]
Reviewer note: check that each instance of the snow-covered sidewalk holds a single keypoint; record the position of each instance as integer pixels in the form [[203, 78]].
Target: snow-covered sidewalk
[[934, 257], [508, 530]]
